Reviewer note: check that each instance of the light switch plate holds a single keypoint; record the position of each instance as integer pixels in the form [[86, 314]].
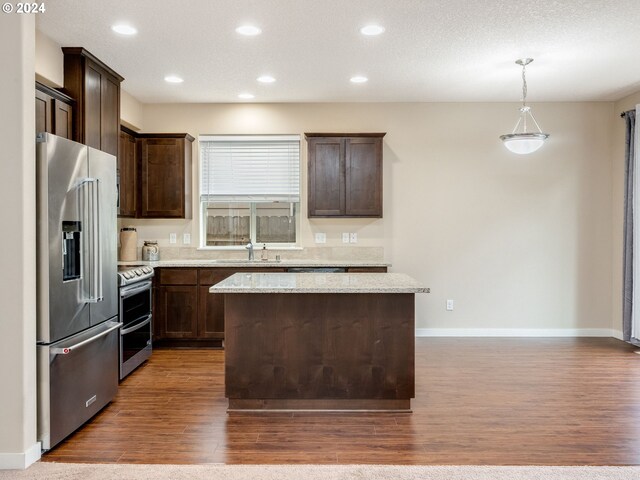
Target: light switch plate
[[345, 238], [353, 238], [321, 238], [449, 304], [186, 238], [173, 238]]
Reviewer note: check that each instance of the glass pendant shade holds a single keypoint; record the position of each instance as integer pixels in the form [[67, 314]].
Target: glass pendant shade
[[523, 142]]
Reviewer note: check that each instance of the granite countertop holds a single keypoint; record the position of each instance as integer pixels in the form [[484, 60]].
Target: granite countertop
[[224, 262], [319, 283]]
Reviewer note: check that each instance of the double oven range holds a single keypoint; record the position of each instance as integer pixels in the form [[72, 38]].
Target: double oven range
[[135, 316]]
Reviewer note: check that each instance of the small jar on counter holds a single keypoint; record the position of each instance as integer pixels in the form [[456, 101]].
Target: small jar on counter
[[150, 251]]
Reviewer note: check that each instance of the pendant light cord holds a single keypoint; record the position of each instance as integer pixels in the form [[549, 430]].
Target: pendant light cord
[[524, 86]]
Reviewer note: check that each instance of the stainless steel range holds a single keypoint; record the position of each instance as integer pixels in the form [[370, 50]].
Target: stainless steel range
[[135, 316]]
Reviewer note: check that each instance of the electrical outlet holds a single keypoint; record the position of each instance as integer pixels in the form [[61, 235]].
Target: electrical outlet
[[449, 304], [353, 238], [186, 238], [321, 238], [173, 238], [345, 238]]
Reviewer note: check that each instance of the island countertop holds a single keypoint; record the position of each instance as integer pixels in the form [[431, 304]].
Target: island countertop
[[228, 262], [319, 283]]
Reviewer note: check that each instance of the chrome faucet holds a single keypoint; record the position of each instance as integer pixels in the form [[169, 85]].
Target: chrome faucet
[[249, 247]]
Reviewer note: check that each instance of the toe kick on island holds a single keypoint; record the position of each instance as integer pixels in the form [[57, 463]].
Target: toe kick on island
[[319, 341]]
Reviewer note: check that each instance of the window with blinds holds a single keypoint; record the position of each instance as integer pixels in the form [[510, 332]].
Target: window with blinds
[[249, 190], [248, 168]]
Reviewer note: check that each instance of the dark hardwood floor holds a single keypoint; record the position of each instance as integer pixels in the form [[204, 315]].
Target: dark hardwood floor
[[478, 401]]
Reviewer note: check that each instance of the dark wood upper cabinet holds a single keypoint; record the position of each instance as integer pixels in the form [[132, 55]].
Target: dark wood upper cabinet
[[127, 174], [96, 89], [345, 174], [54, 111], [165, 175]]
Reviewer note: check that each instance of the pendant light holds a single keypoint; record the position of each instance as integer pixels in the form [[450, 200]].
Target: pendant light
[[524, 142]]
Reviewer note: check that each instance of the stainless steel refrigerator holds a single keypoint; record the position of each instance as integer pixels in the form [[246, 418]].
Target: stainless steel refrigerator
[[77, 319]]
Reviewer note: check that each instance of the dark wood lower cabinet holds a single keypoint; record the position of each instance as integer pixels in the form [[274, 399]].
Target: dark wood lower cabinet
[[180, 311], [187, 315]]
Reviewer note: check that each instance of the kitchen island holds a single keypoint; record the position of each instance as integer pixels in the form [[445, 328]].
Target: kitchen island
[[319, 341]]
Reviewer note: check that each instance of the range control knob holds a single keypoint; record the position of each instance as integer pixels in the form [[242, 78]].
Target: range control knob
[[128, 275], [139, 271], [147, 269]]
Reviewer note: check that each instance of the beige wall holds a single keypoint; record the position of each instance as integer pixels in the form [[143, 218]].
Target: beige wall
[[617, 204], [519, 242], [18, 446], [49, 61], [130, 111]]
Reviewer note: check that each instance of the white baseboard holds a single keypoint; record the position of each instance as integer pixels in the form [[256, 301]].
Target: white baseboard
[[20, 461], [517, 332], [616, 334]]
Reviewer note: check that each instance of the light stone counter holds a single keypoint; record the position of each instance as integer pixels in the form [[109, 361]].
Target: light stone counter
[[319, 283], [255, 263]]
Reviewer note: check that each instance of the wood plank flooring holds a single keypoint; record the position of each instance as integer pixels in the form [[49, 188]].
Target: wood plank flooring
[[479, 401]]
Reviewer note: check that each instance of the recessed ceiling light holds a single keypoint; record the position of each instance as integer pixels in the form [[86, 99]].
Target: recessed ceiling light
[[246, 96], [173, 79], [359, 79], [248, 30], [372, 30], [124, 29], [266, 79]]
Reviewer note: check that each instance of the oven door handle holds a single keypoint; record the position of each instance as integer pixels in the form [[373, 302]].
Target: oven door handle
[[137, 326], [132, 290]]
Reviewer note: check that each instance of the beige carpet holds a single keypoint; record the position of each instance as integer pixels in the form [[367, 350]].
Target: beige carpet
[[73, 471]]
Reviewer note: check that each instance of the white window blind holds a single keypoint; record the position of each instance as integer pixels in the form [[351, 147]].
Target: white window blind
[[250, 168]]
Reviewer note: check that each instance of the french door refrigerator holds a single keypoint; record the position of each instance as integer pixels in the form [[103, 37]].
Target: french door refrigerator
[[77, 316]]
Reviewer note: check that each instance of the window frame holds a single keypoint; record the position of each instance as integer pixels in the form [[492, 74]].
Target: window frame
[[253, 217]]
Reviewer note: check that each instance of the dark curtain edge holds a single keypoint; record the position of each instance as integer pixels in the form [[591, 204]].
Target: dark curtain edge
[[627, 267]]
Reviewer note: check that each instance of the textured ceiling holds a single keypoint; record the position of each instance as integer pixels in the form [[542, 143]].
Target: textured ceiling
[[432, 50]]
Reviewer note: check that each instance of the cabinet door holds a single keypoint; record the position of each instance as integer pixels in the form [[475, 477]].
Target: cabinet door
[[179, 311], [363, 176], [63, 119], [109, 114], [326, 177], [127, 175], [44, 115], [210, 314], [211, 305], [163, 178], [92, 108]]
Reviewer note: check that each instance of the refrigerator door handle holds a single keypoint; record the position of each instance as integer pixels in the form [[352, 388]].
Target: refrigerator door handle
[[97, 250], [67, 350], [88, 215], [95, 281]]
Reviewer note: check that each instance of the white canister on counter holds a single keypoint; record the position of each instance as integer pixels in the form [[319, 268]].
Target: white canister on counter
[[151, 251], [128, 244]]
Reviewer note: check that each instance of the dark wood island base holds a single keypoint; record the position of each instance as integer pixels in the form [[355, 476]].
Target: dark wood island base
[[319, 351]]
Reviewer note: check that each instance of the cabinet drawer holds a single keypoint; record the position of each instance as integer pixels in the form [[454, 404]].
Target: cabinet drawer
[[178, 276], [211, 276], [367, 270]]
